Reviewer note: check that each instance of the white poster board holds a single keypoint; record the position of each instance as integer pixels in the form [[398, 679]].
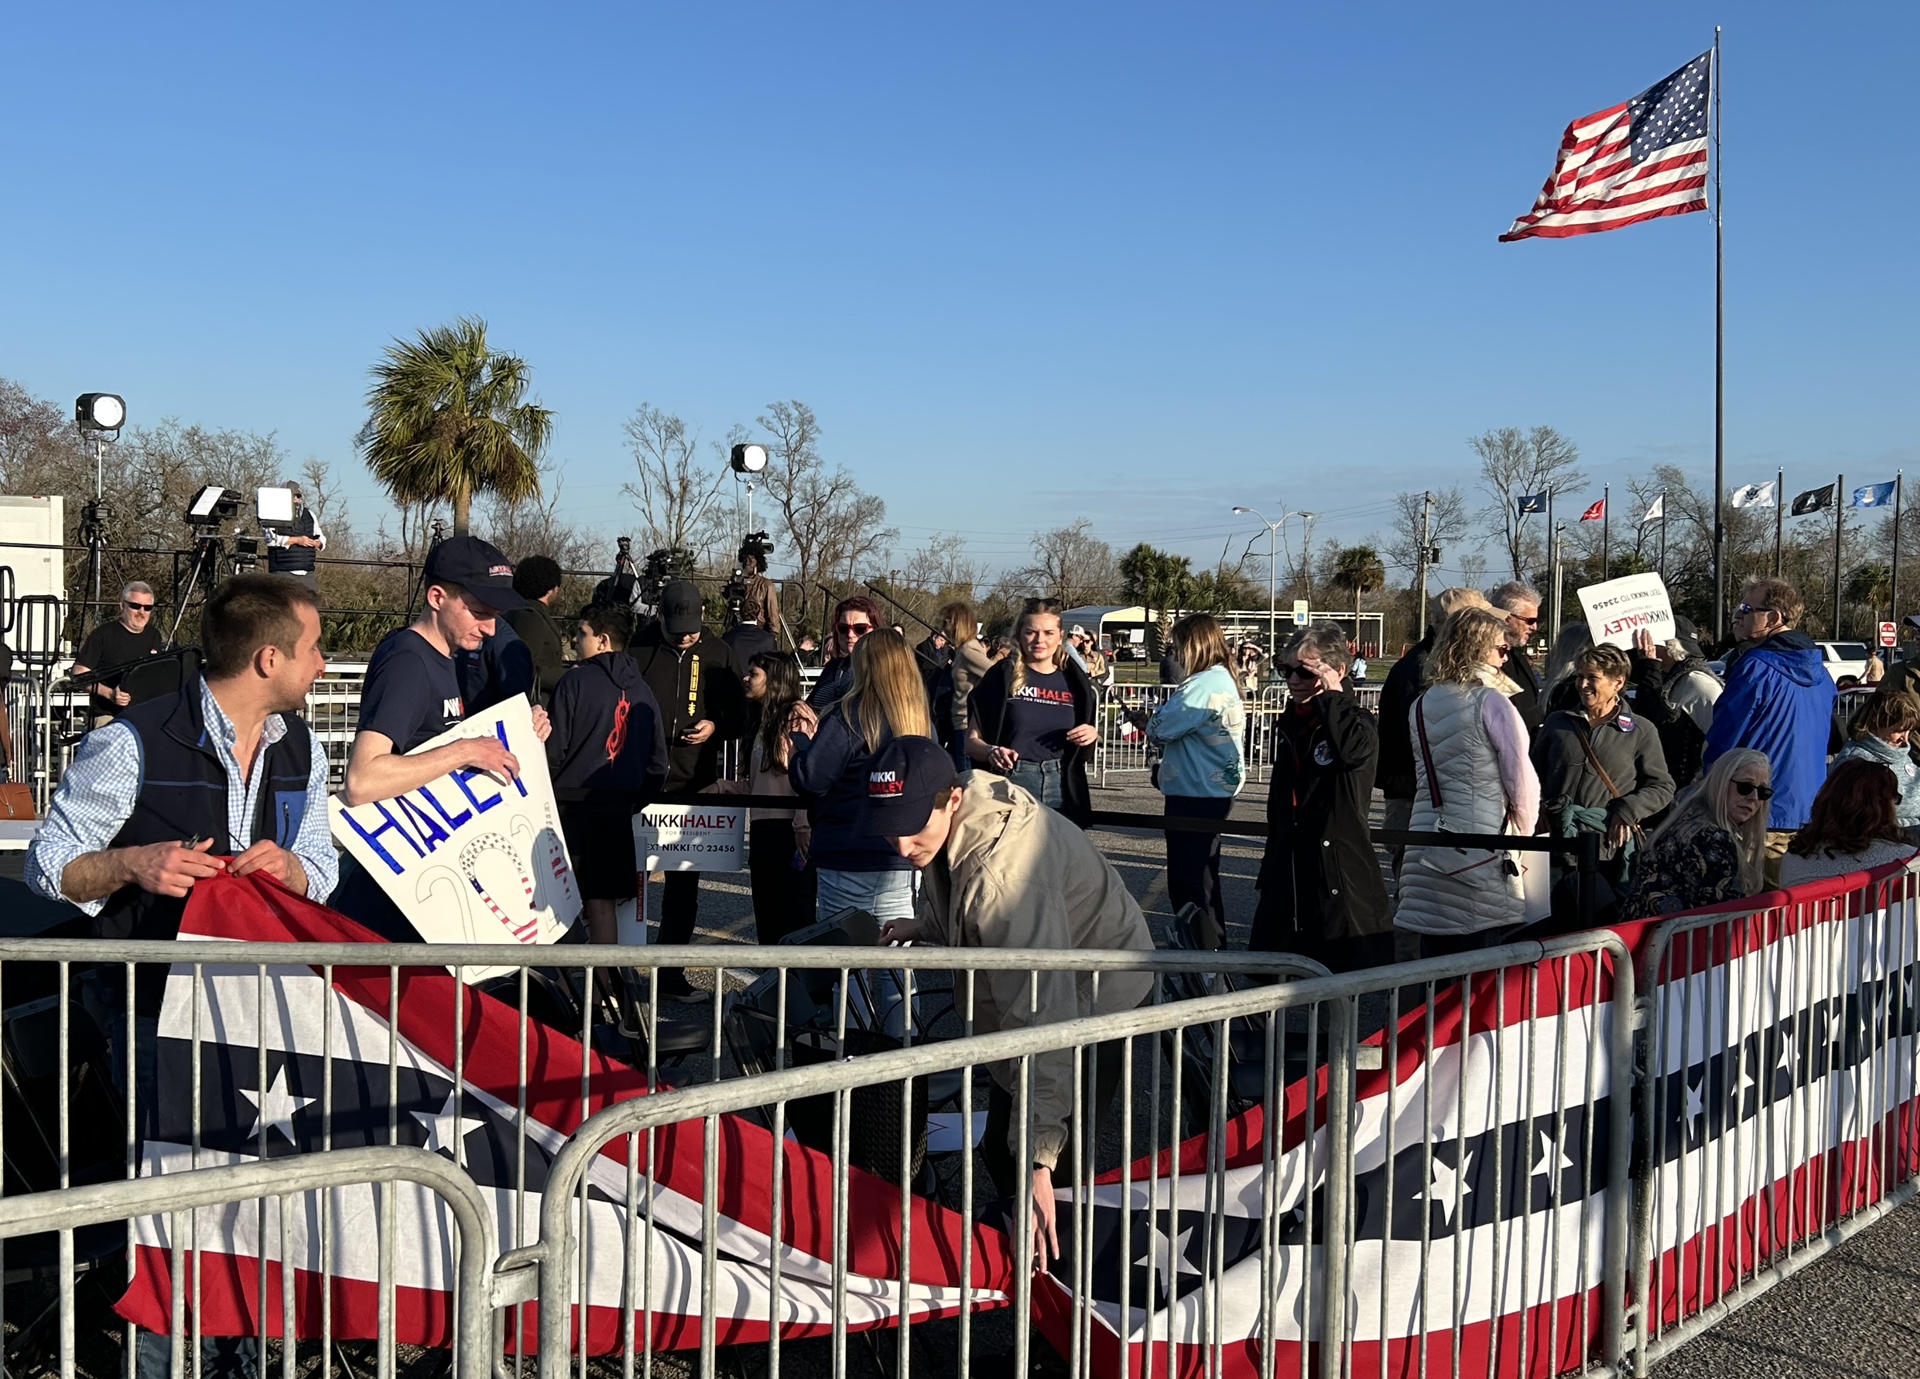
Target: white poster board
[[691, 837], [1621, 607], [467, 859]]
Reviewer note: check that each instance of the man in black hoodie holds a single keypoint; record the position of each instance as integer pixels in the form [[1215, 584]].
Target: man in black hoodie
[[608, 756], [702, 705]]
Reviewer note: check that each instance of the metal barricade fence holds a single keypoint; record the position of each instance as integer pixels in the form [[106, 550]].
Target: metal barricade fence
[[1475, 1211], [1217, 1059], [1124, 757], [175, 1205], [273, 1033], [1778, 1107]]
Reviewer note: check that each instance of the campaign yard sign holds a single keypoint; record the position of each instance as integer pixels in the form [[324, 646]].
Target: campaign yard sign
[[1619, 608], [691, 837], [467, 859]]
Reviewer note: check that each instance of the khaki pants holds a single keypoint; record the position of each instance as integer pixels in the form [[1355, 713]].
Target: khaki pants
[[1777, 840]]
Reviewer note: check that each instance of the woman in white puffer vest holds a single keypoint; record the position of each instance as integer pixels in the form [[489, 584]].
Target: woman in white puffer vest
[[1472, 775]]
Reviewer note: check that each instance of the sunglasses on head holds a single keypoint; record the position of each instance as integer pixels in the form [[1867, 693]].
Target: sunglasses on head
[[1747, 787], [137, 607]]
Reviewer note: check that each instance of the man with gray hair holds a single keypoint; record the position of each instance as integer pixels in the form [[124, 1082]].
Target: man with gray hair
[[112, 647], [1521, 606]]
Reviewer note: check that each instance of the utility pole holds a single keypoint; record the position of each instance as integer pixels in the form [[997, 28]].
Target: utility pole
[[1426, 553]]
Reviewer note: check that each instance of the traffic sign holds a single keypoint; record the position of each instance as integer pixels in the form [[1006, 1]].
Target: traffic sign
[[1889, 634], [1300, 615]]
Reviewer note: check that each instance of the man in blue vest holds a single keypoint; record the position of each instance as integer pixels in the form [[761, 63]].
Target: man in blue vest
[[220, 776], [296, 550], [222, 769]]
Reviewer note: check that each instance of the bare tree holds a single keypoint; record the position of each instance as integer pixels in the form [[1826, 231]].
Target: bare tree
[[831, 524], [1514, 463], [1073, 565], [674, 491], [1446, 525], [535, 526]]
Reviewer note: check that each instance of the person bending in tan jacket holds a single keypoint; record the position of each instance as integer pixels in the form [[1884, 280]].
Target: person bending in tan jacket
[[1001, 870]]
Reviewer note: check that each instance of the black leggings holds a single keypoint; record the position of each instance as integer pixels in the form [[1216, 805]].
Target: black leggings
[[783, 898], [1193, 859]]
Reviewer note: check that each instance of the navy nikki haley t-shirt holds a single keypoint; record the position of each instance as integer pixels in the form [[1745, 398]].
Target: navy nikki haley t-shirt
[[1039, 714]]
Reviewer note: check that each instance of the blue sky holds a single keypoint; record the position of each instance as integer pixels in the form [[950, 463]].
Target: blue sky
[[1027, 263]]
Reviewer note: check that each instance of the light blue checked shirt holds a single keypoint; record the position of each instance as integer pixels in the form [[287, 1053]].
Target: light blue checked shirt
[[96, 798]]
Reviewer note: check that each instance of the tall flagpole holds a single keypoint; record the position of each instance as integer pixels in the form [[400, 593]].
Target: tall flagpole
[[1719, 395], [1553, 569], [1839, 519], [1893, 583], [1663, 538], [1779, 515], [1606, 519]]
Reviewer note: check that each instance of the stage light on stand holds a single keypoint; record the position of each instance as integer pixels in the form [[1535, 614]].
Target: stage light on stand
[[748, 459], [95, 413], [98, 417]]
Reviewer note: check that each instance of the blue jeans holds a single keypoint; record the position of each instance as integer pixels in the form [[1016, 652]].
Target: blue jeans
[[1040, 779], [885, 895]]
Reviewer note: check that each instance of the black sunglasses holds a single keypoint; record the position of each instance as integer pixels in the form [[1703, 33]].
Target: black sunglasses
[[1747, 608], [1299, 672], [1747, 787], [137, 607]]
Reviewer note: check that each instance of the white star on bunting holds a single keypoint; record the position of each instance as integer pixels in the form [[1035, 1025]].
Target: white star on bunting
[[275, 1108]]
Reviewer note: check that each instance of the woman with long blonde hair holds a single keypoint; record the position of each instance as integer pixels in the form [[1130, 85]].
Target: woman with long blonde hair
[[1031, 718], [968, 667], [885, 699], [1713, 846]]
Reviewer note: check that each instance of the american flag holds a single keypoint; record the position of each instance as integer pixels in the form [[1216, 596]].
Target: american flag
[[1643, 158]]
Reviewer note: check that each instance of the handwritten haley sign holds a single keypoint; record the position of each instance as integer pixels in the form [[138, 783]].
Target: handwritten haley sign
[[1621, 607], [467, 859]]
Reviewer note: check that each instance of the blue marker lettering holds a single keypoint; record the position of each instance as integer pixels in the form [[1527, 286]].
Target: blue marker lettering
[[461, 779], [451, 821], [372, 839], [431, 834], [500, 731]]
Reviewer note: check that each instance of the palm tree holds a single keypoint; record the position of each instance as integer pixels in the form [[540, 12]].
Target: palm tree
[[448, 421], [1361, 571]]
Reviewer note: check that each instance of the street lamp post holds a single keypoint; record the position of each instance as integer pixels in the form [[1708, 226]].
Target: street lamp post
[[1273, 621]]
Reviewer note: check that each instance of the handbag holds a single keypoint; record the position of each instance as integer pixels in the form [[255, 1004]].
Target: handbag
[[1473, 866], [16, 800]]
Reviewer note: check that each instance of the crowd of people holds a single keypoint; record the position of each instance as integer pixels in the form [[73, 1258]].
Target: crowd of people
[[943, 788]]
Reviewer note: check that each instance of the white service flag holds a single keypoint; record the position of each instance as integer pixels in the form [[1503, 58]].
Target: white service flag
[[1754, 495], [1657, 512]]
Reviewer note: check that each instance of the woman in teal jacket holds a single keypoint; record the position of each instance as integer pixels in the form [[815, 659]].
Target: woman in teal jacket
[[1199, 731]]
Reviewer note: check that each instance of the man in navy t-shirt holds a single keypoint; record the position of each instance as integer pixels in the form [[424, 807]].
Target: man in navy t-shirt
[[412, 694]]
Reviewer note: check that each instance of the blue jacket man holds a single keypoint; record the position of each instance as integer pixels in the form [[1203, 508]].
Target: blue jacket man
[[1778, 700]]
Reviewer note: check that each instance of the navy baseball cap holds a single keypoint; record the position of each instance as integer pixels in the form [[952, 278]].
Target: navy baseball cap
[[680, 607], [904, 780], [477, 567]]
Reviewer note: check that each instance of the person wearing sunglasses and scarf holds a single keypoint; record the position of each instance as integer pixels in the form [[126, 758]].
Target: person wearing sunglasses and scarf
[[1321, 892], [1713, 846]]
